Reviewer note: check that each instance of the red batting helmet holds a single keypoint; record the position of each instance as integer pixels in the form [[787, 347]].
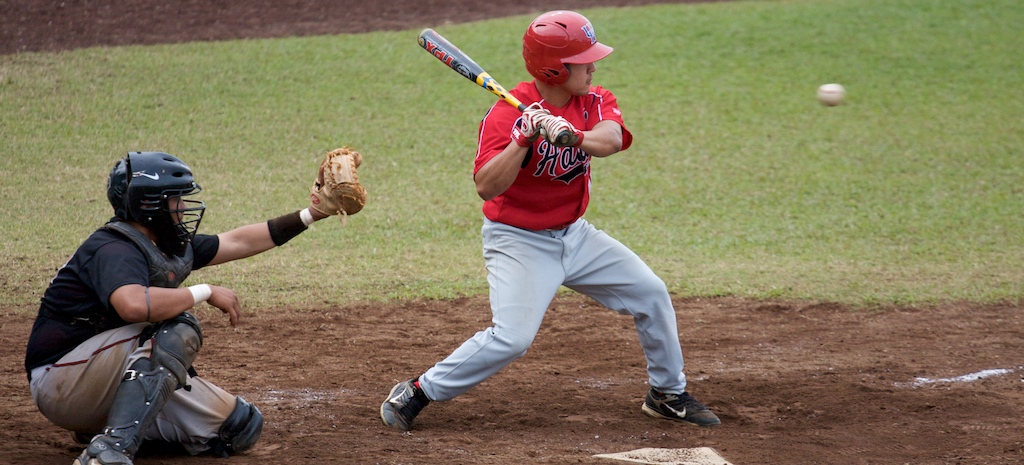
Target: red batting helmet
[[557, 38]]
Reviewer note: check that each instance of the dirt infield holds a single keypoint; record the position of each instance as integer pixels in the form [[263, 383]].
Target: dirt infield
[[50, 25], [794, 382]]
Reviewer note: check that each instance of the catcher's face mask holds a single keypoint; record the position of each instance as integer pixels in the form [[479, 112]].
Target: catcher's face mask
[[185, 216]]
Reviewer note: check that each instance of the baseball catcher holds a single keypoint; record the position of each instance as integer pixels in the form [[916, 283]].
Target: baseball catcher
[[110, 354], [337, 190]]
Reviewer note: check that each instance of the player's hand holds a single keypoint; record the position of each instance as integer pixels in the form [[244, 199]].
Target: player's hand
[[316, 214], [527, 129], [560, 132], [227, 301]]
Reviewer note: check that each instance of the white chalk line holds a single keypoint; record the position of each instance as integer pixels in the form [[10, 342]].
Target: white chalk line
[[969, 377]]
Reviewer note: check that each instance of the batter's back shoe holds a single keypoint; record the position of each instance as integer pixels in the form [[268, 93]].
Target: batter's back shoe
[[403, 404], [678, 407]]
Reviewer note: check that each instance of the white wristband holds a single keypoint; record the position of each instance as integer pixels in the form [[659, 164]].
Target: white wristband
[[306, 216], [200, 292]]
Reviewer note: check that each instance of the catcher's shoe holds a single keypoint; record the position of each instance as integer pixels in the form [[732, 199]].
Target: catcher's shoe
[[403, 404], [681, 407], [100, 452]]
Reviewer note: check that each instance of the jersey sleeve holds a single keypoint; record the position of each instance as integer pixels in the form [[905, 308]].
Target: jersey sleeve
[[609, 110], [494, 133], [115, 264], [204, 248]]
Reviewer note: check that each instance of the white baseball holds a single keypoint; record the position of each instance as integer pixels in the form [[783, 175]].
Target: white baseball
[[831, 94]]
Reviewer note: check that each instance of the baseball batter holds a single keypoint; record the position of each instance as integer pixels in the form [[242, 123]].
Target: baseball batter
[[536, 187], [111, 350]]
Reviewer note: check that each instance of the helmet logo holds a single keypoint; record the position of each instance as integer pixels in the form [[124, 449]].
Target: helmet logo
[[154, 177], [588, 30]]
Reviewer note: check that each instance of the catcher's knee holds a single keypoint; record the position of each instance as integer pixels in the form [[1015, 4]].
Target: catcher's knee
[[242, 428], [176, 344]]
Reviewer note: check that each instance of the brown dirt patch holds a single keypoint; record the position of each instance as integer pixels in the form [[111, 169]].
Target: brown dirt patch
[[794, 383], [52, 25]]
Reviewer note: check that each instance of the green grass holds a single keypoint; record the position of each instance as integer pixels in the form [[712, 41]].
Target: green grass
[[738, 182]]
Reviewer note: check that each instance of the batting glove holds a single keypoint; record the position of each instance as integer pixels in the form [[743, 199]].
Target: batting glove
[[527, 129], [560, 132]]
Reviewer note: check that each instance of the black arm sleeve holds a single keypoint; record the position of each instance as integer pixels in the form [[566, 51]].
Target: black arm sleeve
[[285, 227]]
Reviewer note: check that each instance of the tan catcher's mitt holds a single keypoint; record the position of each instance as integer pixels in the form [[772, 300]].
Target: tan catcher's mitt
[[337, 190]]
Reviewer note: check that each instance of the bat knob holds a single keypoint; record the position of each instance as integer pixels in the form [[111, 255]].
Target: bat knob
[[566, 139]]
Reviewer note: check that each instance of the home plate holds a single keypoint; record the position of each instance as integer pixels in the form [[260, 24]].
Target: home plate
[[653, 456]]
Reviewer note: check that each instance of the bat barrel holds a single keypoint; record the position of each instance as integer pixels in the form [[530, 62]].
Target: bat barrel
[[461, 63]]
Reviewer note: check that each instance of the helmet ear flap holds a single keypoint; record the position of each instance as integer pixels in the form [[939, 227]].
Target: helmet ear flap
[[554, 74]]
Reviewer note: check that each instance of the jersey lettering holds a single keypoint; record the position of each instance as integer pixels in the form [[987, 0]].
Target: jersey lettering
[[561, 163]]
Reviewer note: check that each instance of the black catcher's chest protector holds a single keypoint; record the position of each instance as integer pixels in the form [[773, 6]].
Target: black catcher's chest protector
[[164, 271]]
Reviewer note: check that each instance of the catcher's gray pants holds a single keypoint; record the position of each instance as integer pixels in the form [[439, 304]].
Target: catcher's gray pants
[[76, 392], [525, 269]]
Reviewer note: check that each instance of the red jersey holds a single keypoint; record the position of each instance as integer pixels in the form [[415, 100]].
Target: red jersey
[[552, 189]]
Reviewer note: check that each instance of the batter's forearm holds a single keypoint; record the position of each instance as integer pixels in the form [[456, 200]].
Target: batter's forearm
[[604, 140], [498, 174]]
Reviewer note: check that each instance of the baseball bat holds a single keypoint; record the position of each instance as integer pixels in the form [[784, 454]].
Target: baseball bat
[[435, 44]]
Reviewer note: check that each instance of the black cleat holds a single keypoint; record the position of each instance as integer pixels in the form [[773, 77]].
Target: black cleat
[[681, 407], [402, 405]]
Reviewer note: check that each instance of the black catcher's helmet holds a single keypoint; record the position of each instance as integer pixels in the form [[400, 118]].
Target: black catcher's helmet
[[139, 188]]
